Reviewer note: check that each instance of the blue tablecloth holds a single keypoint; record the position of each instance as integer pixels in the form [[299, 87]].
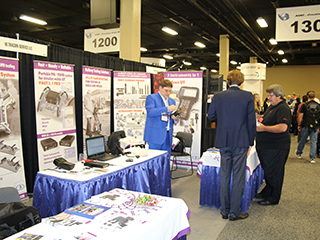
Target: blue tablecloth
[[53, 195], [210, 187]]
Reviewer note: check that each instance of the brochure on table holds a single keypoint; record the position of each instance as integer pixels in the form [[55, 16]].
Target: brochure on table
[[122, 214], [11, 164], [96, 93], [130, 92], [55, 112]]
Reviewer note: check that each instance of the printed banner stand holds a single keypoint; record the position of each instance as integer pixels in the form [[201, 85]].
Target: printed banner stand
[[187, 92], [130, 92], [55, 112], [96, 92], [11, 158]]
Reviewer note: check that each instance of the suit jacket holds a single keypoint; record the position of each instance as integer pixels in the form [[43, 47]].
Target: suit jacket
[[155, 129], [235, 114]]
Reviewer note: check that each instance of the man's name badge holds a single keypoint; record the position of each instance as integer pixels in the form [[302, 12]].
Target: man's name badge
[[164, 117]]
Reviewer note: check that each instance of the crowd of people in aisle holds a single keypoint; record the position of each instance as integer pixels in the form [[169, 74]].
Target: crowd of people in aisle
[[276, 118]]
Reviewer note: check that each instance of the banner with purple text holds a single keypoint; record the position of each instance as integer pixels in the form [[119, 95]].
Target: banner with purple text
[[187, 91], [96, 93], [11, 163], [130, 92], [55, 116]]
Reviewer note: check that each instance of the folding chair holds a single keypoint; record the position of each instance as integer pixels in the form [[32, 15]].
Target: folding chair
[[185, 153]]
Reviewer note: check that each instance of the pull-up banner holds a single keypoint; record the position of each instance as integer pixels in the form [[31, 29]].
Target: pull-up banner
[[187, 91], [96, 102], [55, 116], [130, 92], [11, 161], [298, 23]]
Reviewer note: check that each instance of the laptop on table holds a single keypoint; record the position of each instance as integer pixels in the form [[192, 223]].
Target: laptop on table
[[96, 149]]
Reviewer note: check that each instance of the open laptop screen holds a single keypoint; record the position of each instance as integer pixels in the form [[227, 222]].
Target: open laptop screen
[[95, 146]]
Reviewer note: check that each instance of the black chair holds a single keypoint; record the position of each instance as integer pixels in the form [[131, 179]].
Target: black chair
[[188, 137]]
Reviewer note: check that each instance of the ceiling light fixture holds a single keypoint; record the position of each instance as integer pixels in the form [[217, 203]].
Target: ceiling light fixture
[[169, 30], [218, 54], [280, 52], [33, 20], [233, 62], [187, 63], [142, 49], [238, 67], [285, 60], [262, 23], [167, 56], [203, 68], [213, 70], [199, 44], [273, 41]]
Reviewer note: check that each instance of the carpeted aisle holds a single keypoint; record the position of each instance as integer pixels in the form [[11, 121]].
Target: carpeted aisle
[[298, 213]]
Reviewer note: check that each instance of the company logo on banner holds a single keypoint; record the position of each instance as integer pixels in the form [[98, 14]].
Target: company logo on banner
[[98, 40], [11, 164], [298, 23], [15, 45], [187, 92], [254, 71], [55, 116]]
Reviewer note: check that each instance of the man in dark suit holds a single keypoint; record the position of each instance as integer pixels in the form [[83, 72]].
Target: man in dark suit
[[158, 129], [236, 128]]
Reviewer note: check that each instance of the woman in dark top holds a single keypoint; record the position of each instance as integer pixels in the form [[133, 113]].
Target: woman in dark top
[[273, 144]]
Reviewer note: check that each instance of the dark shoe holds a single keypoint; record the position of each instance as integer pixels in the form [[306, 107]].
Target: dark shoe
[[240, 216], [266, 203], [224, 216], [259, 196]]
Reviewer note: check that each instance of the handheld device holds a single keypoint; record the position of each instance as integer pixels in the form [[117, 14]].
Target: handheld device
[[63, 163], [188, 96], [176, 113]]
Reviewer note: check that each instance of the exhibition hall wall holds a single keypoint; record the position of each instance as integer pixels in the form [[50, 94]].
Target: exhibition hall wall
[[298, 79]]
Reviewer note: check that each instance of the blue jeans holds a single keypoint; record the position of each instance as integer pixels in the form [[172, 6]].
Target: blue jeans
[[305, 132]]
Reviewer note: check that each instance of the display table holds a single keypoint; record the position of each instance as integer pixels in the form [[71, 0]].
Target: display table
[[55, 191], [209, 171], [125, 219]]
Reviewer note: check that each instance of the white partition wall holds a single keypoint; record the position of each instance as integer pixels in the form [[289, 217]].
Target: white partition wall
[[254, 74]]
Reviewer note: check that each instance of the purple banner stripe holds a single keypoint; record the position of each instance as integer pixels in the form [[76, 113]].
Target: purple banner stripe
[[96, 71], [131, 74], [58, 133], [53, 66], [182, 74], [9, 65]]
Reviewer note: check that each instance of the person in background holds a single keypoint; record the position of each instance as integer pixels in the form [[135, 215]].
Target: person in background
[[257, 105], [294, 116], [266, 104], [273, 145], [234, 110], [304, 100], [158, 131], [289, 100], [308, 129]]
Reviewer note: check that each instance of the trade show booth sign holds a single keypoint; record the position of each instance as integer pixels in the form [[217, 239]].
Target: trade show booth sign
[[55, 112], [187, 91], [130, 92], [11, 164], [96, 97]]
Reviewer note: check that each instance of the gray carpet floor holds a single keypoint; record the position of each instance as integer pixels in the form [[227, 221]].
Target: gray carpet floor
[[297, 216]]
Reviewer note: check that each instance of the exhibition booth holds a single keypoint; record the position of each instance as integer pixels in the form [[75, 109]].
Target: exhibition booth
[[58, 97]]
